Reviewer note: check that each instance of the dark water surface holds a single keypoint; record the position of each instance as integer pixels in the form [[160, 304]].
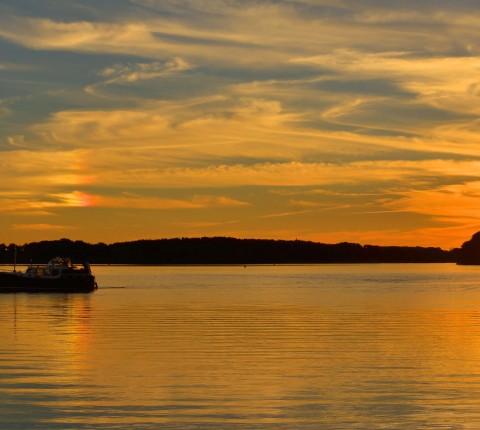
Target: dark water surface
[[261, 347]]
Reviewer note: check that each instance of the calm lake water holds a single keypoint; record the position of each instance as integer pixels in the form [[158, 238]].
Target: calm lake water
[[261, 347]]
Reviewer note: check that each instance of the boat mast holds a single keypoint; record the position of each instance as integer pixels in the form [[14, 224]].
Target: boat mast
[[15, 258]]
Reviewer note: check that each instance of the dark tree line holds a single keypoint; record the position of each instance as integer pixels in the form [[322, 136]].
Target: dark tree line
[[220, 250]]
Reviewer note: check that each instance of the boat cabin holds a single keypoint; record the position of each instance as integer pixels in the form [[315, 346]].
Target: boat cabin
[[56, 267]]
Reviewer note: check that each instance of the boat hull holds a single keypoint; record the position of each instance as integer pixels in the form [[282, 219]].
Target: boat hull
[[16, 283]]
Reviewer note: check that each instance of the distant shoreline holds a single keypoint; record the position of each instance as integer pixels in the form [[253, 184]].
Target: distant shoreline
[[220, 251], [2, 265]]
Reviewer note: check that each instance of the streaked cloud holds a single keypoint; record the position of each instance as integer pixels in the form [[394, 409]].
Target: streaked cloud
[[144, 202], [78, 199], [41, 204], [47, 34], [119, 73], [41, 227]]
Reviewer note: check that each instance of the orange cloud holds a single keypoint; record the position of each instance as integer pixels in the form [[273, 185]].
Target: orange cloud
[[454, 204], [142, 202], [119, 73], [41, 227], [41, 204]]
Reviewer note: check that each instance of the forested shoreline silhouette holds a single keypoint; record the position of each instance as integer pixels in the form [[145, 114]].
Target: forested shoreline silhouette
[[222, 250]]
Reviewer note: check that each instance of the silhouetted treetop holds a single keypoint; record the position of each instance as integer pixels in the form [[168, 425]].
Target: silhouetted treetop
[[469, 252]]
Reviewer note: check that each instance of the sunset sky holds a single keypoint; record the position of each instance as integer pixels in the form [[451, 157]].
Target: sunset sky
[[323, 120]]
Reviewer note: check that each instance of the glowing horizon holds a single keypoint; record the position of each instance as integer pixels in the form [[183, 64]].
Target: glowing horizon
[[319, 120]]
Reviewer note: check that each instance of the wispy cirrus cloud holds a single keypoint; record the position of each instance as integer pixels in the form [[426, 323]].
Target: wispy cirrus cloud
[[154, 39], [151, 203], [42, 204], [46, 204], [42, 34], [451, 202], [129, 73], [444, 83], [42, 227]]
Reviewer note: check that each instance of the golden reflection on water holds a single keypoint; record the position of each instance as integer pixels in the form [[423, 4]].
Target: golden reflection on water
[[265, 347]]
